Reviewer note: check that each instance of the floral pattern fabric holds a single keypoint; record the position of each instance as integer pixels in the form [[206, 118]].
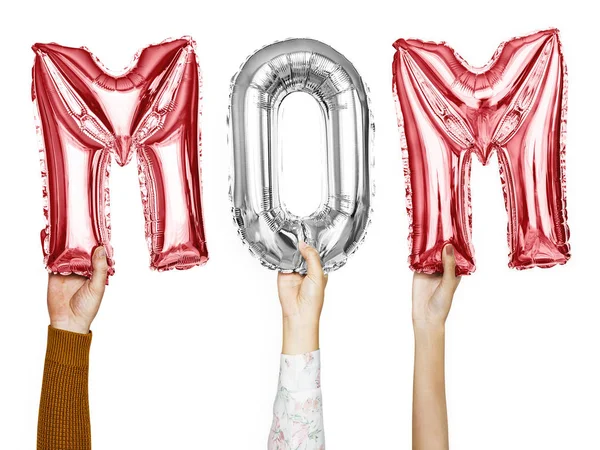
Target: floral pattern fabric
[[298, 412]]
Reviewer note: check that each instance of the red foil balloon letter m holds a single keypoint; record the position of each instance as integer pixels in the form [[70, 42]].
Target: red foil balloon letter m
[[448, 111], [86, 117]]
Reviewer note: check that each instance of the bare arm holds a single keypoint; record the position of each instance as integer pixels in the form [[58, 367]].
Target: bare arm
[[432, 298]]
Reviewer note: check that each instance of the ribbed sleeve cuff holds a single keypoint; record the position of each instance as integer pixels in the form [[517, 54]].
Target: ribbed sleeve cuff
[[301, 372], [68, 348]]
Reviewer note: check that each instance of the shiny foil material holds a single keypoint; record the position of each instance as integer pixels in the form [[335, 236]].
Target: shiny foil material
[[449, 111], [339, 224], [85, 117]]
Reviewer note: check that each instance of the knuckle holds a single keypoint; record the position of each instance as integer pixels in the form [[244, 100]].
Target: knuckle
[[316, 279], [311, 251], [93, 290], [320, 276]]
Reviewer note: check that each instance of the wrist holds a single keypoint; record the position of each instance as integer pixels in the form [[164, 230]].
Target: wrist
[[425, 329], [300, 337], [73, 327]]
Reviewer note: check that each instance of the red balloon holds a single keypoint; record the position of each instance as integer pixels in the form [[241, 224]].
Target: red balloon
[[85, 117], [514, 106]]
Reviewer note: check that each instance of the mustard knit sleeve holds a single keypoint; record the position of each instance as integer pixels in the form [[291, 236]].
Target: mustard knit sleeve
[[64, 417]]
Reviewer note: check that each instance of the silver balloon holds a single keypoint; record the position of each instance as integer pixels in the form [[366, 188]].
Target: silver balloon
[[339, 225]]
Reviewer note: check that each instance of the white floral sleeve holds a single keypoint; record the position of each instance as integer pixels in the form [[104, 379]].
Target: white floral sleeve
[[297, 412]]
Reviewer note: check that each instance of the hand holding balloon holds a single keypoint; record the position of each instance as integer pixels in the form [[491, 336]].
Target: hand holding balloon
[[432, 294], [73, 300], [301, 298]]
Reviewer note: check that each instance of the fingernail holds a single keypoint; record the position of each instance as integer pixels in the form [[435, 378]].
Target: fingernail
[[450, 250], [302, 245], [101, 252]]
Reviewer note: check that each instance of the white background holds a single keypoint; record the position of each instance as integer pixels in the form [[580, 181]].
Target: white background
[[189, 360]]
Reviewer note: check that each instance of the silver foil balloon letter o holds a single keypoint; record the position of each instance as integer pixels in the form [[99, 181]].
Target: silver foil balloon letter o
[[338, 225]]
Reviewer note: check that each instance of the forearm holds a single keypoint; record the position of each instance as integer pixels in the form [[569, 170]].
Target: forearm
[[297, 411], [64, 417], [430, 417]]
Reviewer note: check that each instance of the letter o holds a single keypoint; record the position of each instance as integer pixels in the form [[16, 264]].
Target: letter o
[[339, 225]]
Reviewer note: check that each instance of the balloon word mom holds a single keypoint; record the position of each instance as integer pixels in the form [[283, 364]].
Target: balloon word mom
[[85, 117], [448, 111]]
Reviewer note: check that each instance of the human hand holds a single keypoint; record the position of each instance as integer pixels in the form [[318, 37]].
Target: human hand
[[73, 300], [301, 298], [432, 294]]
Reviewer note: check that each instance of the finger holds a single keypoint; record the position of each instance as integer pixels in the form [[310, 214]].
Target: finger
[[314, 270], [449, 279], [99, 271]]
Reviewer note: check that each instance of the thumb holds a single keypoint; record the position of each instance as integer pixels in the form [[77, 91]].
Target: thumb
[[100, 271], [449, 279], [314, 270]]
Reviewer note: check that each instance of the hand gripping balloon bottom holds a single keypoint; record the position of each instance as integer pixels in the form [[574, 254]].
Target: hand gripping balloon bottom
[[85, 117], [264, 223], [448, 111]]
